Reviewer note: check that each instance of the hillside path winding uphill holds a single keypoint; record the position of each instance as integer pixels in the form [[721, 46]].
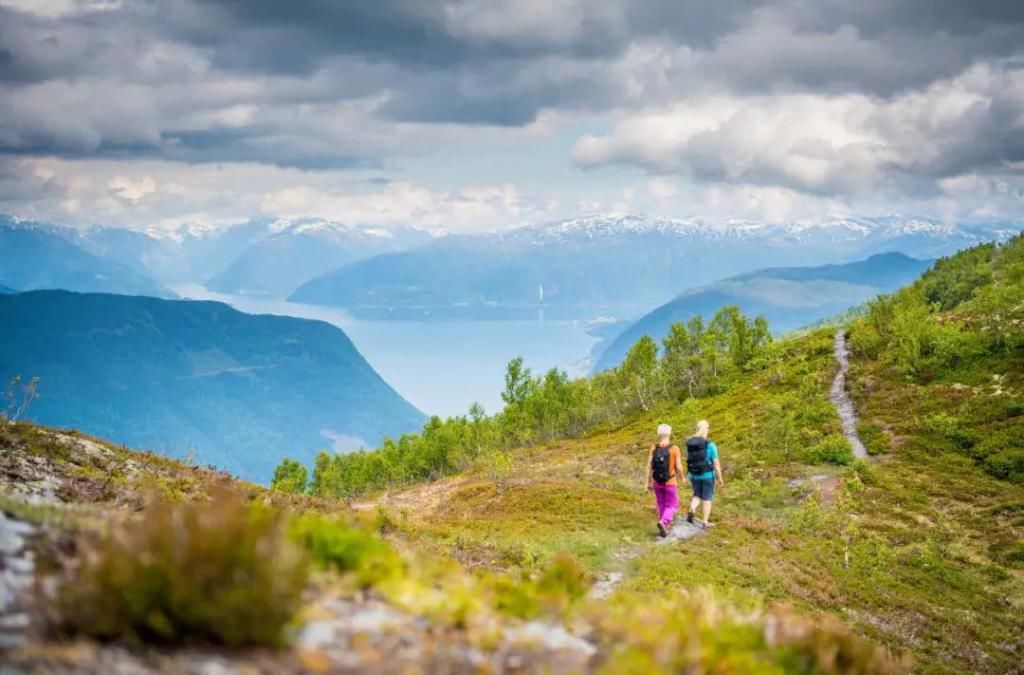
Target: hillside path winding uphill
[[840, 397]]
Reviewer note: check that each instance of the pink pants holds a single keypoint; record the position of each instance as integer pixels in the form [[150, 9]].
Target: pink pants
[[667, 498]]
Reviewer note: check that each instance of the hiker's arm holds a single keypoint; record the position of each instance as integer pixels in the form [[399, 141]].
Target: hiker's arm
[[718, 472]]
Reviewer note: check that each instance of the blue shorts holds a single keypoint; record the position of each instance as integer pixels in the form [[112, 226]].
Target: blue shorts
[[703, 488]]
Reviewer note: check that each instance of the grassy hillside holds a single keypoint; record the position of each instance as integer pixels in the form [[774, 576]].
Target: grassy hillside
[[543, 556], [918, 551], [140, 552]]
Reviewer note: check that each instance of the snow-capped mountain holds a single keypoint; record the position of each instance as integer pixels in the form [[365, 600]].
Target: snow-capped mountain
[[266, 255], [617, 264], [599, 226], [36, 255], [840, 228], [296, 250]]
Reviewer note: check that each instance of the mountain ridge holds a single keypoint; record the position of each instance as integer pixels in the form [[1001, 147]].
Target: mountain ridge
[[296, 250], [622, 266], [240, 390], [789, 297], [36, 257]]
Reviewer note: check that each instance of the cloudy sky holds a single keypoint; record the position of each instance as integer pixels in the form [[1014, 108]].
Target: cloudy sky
[[480, 114]]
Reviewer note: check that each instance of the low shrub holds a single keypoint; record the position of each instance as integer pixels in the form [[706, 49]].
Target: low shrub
[[874, 438], [221, 573], [865, 472], [832, 450], [335, 544], [647, 636], [564, 581], [950, 428], [1007, 464], [558, 588], [495, 464]]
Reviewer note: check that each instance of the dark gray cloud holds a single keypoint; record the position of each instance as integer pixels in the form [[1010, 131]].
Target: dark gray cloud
[[327, 84]]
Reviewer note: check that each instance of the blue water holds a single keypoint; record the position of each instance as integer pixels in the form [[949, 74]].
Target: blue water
[[441, 367]]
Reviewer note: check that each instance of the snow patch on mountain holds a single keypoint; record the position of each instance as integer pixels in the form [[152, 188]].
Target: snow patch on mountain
[[188, 230], [314, 226], [838, 228]]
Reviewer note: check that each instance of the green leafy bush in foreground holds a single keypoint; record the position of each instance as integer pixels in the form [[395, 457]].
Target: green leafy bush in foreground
[[221, 573], [561, 585], [335, 544]]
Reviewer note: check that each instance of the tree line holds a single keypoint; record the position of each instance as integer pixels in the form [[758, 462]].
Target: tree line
[[696, 358]]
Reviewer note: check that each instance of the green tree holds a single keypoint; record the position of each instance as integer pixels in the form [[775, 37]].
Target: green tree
[[290, 476], [519, 383], [638, 369]]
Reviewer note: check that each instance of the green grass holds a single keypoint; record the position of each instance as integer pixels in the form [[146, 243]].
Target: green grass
[[918, 552]]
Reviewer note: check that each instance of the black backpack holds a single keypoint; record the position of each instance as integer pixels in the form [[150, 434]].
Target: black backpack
[[661, 464], [697, 455]]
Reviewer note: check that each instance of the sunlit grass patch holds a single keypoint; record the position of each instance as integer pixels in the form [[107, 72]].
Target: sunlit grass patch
[[693, 631]]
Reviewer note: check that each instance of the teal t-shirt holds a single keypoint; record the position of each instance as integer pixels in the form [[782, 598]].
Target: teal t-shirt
[[712, 456]]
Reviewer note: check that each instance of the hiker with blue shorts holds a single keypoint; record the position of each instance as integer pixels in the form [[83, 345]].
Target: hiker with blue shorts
[[702, 468]]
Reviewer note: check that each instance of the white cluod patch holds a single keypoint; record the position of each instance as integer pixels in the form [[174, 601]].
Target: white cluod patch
[[343, 443]]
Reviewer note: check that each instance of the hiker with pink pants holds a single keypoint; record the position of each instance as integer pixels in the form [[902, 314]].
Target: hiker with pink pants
[[664, 464]]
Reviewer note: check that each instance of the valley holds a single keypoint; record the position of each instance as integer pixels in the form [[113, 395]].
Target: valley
[[441, 366], [498, 551], [511, 337]]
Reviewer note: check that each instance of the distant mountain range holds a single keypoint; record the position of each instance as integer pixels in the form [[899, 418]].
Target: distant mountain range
[[239, 390], [261, 256], [581, 268], [298, 250], [620, 266], [38, 258], [789, 297]]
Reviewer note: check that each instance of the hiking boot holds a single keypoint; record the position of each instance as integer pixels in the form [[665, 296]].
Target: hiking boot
[[689, 517], [706, 524], [661, 529]]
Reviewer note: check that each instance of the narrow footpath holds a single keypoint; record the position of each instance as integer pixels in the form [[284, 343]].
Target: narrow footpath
[[840, 397]]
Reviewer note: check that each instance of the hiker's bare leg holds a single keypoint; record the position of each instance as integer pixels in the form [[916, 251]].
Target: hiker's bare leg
[[693, 504], [707, 510]]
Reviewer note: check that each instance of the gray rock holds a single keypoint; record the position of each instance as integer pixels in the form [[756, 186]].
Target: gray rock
[[317, 634], [17, 621]]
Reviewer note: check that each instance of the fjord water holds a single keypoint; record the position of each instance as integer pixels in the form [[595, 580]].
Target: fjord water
[[441, 367]]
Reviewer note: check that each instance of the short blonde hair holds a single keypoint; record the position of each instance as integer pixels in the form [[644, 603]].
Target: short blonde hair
[[664, 430], [703, 427]]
